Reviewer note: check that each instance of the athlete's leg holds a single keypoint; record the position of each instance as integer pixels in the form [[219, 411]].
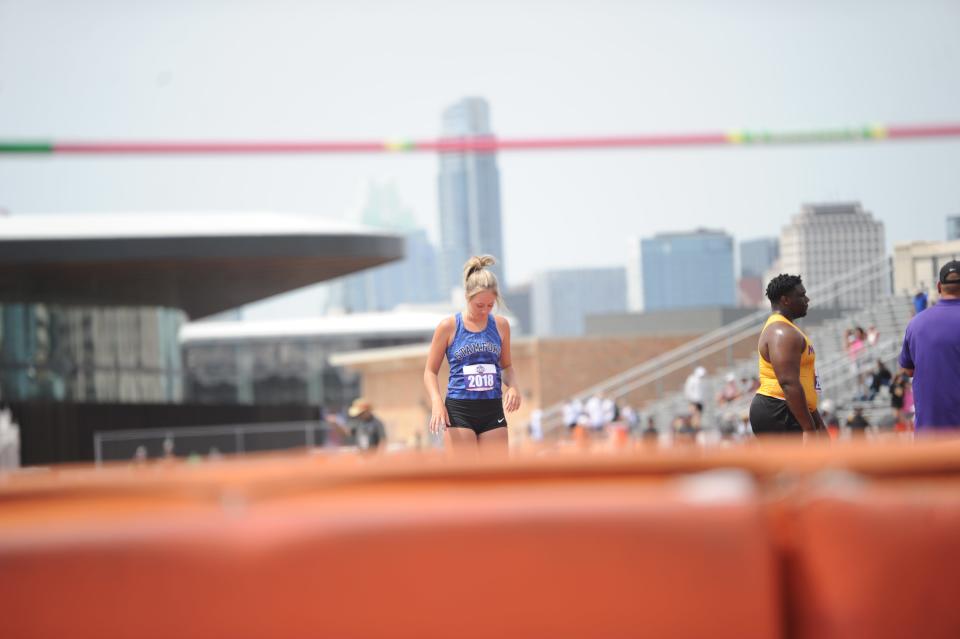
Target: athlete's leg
[[460, 440], [494, 441]]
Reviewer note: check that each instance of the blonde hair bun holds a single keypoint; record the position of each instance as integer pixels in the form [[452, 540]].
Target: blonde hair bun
[[477, 263], [476, 277]]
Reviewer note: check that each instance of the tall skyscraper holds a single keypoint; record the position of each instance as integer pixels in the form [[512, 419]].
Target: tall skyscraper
[[682, 270], [953, 227], [561, 299], [757, 256], [469, 191], [825, 241]]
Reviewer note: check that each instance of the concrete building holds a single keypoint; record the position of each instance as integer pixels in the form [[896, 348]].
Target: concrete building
[[756, 256], [561, 299], [469, 192], [916, 265], [953, 228], [826, 241], [518, 301], [287, 361], [415, 279], [681, 270]]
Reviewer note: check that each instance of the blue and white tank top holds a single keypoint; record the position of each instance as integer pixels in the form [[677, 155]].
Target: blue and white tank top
[[475, 362]]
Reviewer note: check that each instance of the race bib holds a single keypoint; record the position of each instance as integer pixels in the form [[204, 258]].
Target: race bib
[[480, 377]]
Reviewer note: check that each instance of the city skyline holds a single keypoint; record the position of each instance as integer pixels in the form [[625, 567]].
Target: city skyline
[[254, 70]]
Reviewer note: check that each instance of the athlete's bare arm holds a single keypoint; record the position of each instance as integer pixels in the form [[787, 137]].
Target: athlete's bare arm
[[784, 346], [511, 397], [438, 348]]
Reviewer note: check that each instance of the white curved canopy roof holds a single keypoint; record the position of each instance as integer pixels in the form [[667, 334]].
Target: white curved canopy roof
[[203, 263]]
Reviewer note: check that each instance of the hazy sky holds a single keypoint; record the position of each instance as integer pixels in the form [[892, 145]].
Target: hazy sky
[[252, 70]]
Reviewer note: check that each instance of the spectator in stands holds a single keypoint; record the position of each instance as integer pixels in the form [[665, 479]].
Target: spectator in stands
[[366, 431], [684, 430], [650, 431], [856, 343], [611, 412], [879, 378], [630, 418], [873, 336], [897, 390], [694, 389], [919, 300], [730, 390], [595, 412], [857, 423], [931, 355]]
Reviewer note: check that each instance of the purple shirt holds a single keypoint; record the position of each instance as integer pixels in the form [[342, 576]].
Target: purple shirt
[[931, 347]]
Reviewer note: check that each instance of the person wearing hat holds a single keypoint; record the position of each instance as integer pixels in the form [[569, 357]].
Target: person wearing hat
[[366, 431], [786, 402], [931, 355]]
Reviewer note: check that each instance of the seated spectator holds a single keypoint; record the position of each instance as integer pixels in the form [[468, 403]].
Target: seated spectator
[[685, 432], [857, 422], [898, 392], [880, 378], [888, 421], [730, 390], [650, 431]]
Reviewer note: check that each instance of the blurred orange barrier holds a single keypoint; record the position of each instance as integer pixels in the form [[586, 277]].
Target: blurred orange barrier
[[629, 542], [879, 562], [606, 559]]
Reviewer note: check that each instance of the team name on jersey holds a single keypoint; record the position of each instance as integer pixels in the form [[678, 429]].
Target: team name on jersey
[[481, 347]]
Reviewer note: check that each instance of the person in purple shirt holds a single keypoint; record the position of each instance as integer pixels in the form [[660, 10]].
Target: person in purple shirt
[[931, 354]]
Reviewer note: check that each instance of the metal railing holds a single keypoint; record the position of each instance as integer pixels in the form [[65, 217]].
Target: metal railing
[[236, 439]]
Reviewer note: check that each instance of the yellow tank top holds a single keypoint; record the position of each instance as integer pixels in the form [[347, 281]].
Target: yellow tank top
[[770, 386]]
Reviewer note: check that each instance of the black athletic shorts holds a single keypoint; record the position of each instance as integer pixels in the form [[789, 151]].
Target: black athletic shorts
[[479, 415], [772, 416]]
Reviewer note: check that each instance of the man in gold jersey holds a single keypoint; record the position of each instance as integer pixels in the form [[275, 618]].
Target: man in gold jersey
[[786, 402]]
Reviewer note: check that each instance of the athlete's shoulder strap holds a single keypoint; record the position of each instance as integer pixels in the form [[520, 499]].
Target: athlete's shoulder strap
[[777, 317]]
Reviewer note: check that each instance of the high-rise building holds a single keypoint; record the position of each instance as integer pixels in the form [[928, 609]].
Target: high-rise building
[[562, 299], [469, 192], [953, 227], [517, 299], [825, 241], [682, 270], [412, 280], [757, 256]]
